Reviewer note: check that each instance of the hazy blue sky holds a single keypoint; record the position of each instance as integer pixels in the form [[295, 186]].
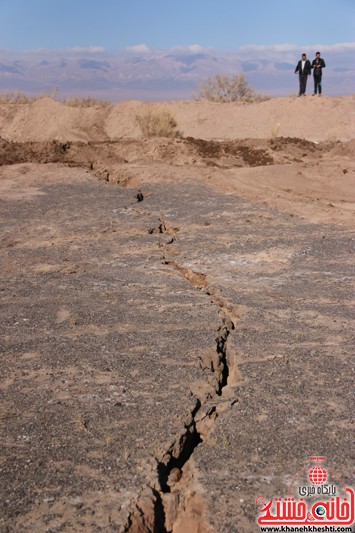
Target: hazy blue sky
[[221, 24]]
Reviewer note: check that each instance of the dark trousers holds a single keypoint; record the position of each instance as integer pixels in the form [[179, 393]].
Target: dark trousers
[[317, 84], [303, 83]]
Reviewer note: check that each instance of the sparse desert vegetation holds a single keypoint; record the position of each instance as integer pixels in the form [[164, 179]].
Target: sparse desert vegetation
[[88, 101], [157, 123], [17, 97], [226, 89], [220, 88], [21, 97]]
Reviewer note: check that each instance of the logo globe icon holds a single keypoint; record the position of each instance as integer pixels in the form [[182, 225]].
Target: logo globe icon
[[320, 511], [317, 475]]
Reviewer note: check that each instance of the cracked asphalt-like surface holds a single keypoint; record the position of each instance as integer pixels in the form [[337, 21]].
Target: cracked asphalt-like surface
[[110, 312]]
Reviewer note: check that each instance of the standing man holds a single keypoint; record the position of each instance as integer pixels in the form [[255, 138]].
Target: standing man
[[317, 65], [304, 70]]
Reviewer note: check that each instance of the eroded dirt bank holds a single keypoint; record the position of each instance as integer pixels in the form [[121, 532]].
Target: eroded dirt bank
[[315, 181], [169, 344]]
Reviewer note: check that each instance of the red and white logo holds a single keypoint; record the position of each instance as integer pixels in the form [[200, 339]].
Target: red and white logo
[[316, 497]]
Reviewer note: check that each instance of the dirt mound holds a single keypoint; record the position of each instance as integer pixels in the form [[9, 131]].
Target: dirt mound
[[12, 153], [315, 119], [280, 143], [242, 153], [47, 119], [109, 155]]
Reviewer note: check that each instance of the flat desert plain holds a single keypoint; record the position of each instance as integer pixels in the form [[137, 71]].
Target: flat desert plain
[[176, 313]]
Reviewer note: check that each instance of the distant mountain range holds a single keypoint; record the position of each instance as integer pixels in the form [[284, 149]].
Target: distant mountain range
[[142, 73]]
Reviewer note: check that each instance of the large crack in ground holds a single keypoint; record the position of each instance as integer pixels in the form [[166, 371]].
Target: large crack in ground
[[171, 501], [164, 504]]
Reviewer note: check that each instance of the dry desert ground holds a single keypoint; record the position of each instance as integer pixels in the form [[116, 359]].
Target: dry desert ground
[[176, 313]]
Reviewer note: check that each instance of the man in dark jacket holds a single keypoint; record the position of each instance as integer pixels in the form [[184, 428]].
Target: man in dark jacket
[[304, 70], [317, 65]]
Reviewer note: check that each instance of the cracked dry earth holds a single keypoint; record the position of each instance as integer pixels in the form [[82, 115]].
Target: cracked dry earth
[[170, 349]]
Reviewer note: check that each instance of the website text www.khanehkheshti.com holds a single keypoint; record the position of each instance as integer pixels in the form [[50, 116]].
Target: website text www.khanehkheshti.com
[[304, 529]]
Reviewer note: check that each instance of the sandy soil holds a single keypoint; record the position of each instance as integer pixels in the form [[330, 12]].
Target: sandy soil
[[316, 119], [195, 276], [314, 179]]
